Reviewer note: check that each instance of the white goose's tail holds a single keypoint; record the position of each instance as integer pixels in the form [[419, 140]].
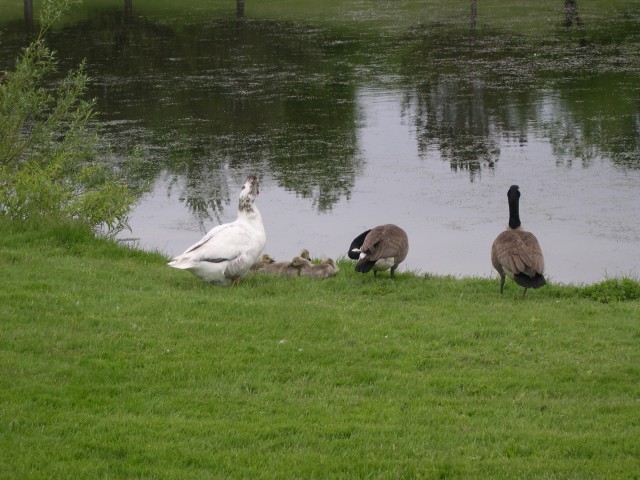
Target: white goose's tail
[[183, 263]]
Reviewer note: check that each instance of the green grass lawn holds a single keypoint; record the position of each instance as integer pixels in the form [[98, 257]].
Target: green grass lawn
[[114, 366]]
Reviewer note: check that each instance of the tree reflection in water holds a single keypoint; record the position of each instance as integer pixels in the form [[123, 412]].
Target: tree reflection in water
[[208, 100]]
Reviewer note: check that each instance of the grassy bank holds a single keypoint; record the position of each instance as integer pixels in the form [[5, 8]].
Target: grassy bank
[[115, 366]]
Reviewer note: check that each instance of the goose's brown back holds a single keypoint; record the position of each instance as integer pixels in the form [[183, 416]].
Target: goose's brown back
[[386, 241], [517, 251]]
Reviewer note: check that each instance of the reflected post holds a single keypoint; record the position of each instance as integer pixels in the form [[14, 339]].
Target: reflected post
[[240, 9], [28, 13], [474, 14], [571, 14], [128, 10]]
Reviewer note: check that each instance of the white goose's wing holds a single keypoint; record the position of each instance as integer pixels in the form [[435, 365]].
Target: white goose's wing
[[245, 247], [213, 237], [222, 243]]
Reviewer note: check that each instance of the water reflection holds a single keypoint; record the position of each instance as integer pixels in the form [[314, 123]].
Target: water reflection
[[571, 15], [240, 8], [278, 97], [259, 96], [466, 97], [28, 14], [209, 100]]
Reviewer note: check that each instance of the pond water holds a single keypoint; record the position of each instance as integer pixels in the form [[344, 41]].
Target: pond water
[[400, 116]]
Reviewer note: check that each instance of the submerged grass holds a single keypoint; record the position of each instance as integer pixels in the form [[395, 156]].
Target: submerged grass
[[113, 365]]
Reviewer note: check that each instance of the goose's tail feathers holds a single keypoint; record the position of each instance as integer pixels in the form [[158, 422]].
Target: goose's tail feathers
[[526, 281], [182, 263]]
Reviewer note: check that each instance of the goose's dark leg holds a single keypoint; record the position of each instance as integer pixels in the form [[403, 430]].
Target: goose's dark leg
[[393, 269], [501, 283], [525, 291]]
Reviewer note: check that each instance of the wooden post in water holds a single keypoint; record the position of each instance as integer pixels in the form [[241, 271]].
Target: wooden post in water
[[28, 13], [239, 8]]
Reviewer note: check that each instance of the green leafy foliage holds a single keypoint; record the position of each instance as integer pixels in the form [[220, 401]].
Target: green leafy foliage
[[50, 164], [613, 290]]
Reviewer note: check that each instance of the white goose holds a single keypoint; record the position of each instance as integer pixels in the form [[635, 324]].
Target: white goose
[[228, 251]]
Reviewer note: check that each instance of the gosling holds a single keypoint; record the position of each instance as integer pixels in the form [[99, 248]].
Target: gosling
[[326, 268]]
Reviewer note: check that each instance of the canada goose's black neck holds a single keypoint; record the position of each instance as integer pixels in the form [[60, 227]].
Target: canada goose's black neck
[[513, 196]]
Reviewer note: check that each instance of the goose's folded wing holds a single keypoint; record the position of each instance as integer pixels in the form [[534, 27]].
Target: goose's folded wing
[[395, 245], [208, 236], [505, 249], [518, 253], [372, 243], [385, 248], [535, 258], [240, 264], [225, 243], [386, 243]]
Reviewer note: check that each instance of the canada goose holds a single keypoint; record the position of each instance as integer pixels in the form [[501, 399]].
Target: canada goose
[[517, 253], [326, 268], [286, 269], [381, 248], [227, 251], [262, 261]]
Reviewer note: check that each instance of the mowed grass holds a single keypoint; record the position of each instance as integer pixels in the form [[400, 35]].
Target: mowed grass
[[114, 366]]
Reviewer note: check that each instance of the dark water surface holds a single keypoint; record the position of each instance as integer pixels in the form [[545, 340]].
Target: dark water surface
[[355, 123]]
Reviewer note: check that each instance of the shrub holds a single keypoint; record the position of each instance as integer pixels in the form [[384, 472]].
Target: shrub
[[50, 164], [614, 289]]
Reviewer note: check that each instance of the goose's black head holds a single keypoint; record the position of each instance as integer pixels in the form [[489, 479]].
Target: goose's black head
[[356, 244], [513, 196]]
